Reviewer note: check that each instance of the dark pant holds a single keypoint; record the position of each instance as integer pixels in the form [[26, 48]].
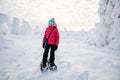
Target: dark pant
[[52, 49]]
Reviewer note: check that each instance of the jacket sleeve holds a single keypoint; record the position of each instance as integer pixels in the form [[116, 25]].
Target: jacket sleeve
[[44, 36], [57, 37]]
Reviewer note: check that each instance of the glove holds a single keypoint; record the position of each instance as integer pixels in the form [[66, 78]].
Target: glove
[[56, 47], [43, 45]]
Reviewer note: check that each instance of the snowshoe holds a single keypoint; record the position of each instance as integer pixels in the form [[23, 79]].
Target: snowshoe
[[43, 67], [52, 66]]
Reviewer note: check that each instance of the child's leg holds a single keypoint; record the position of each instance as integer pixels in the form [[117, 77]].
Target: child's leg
[[52, 54], [45, 54]]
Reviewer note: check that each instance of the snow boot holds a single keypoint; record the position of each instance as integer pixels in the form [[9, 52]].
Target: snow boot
[[52, 66], [44, 67]]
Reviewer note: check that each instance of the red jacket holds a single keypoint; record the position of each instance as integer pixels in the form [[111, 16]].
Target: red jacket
[[54, 37]]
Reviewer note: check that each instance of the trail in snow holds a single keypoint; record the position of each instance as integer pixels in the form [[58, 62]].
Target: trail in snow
[[20, 60]]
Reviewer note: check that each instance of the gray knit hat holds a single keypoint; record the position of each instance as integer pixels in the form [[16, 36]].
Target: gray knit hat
[[52, 19]]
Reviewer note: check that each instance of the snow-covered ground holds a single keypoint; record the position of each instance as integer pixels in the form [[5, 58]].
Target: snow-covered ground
[[21, 48], [20, 59]]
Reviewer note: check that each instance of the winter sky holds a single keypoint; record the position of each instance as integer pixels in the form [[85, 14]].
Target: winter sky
[[70, 14]]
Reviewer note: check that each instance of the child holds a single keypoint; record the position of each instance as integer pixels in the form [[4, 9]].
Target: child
[[50, 42]]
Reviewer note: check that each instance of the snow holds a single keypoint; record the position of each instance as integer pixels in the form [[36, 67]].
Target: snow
[[4, 23], [75, 61], [15, 26], [26, 28], [106, 32], [81, 55]]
